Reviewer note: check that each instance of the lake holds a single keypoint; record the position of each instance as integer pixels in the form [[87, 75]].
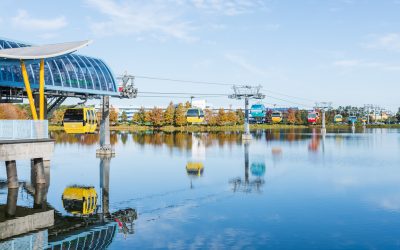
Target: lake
[[285, 189]]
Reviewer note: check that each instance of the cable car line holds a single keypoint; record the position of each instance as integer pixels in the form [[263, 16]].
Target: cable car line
[[223, 84], [183, 81], [181, 93]]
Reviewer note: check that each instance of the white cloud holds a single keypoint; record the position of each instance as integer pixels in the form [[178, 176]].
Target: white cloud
[[229, 7], [247, 66], [164, 19], [390, 41], [25, 21], [365, 64], [156, 18]]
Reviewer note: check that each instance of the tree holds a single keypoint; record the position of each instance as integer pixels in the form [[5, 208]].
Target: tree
[[221, 117], [291, 116], [139, 116], [398, 115], [209, 117], [240, 116], [124, 117], [231, 117], [113, 116], [188, 105], [169, 114], [57, 116], [12, 112], [180, 115], [156, 117]]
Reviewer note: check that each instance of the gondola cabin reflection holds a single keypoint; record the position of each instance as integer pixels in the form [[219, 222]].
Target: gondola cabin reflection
[[79, 200], [194, 168], [195, 115], [80, 120]]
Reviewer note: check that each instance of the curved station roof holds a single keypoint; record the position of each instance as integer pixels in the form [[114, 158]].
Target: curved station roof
[[64, 71]]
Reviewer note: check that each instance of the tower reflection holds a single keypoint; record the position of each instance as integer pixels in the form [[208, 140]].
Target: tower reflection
[[249, 185]]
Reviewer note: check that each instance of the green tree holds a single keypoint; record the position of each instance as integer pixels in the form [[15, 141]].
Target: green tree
[[180, 115], [139, 117], [240, 116], [169, 114], [124, 117]]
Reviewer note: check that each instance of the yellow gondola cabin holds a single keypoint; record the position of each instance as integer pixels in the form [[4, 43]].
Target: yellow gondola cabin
[[80, 120], [276, 117], [195, 115], [79, 200]]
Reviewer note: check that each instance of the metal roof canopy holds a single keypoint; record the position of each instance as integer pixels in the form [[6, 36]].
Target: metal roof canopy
[[43, 51]]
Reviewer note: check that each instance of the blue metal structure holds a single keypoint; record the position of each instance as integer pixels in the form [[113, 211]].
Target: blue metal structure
[[70, 73]]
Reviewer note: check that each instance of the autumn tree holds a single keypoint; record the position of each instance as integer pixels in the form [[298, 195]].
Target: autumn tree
[[169, 114], [209, 117], [156, 117], [231, 117], [180, 115], [291, 116], [113, 116], [188, 105], [12, 112], [221, 117], [57, 116]]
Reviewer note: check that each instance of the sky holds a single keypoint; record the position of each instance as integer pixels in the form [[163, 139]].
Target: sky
[[342, 51]]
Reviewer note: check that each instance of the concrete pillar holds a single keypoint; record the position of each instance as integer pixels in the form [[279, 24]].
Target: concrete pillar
[[12, 178], [39, 200], [105, 145], [246, 135], [11, 206], [46, 167], [38, 171], [105, 184]]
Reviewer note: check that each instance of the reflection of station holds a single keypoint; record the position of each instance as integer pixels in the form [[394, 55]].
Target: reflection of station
[[43, 227], [257, 169]]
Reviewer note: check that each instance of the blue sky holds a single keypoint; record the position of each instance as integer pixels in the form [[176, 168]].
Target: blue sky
[[344, 51]]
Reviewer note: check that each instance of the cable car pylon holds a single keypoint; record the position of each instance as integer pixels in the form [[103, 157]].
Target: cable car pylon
[[246, 92]]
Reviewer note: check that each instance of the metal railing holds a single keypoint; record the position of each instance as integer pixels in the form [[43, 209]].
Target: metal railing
[[24, 129]]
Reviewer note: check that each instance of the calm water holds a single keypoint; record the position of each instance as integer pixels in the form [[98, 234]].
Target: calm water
[[289, 189]]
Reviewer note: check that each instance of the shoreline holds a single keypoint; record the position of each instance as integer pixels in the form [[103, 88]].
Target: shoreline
[[231, 128]]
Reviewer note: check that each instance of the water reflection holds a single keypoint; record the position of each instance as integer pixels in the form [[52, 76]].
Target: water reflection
[[300, 200], [84, 226], [249, 185], [195, 166]]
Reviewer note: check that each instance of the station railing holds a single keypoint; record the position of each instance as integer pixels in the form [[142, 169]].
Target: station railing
[[24, 129]]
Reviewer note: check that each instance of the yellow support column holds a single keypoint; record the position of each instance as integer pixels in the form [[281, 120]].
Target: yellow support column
[[41, 90], [28, 90]]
